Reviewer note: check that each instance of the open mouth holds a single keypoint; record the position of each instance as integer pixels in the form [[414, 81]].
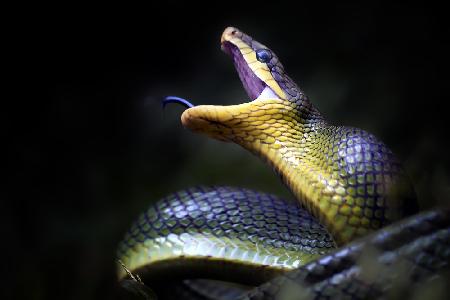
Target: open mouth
[[254, 86]]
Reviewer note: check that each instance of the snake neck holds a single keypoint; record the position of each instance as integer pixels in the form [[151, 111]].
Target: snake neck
[[344, 176]]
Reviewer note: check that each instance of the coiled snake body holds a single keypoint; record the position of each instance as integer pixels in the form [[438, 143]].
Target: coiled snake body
[[346, 181]]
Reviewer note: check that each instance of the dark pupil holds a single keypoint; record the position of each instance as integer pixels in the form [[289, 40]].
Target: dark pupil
[[263, 55]]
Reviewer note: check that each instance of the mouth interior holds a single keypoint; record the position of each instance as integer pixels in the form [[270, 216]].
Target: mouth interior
[[255, 87]]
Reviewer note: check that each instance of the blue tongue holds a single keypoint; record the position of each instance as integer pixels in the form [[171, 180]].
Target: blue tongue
[[178, 100]]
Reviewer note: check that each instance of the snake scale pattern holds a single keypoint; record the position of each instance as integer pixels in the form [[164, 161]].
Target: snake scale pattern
[[347, 235]]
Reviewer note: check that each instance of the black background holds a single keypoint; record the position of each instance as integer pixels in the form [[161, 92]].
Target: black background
[[90, 147]]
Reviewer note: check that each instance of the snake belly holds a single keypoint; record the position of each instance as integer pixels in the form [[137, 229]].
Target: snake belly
[[347, 184]]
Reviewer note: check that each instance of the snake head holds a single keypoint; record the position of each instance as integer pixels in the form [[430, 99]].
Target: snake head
[[277, 104]]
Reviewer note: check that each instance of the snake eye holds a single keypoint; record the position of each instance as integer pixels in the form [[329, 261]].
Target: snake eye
[[263, 55]]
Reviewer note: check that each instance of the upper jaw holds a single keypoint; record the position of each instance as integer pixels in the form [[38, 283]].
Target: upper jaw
[[252, 84], [243, 55]]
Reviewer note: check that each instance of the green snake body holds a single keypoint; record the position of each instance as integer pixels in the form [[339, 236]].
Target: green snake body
[[237, 229], [347, 183]]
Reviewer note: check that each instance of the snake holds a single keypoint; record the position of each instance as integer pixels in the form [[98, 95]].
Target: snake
[[352, 230]]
